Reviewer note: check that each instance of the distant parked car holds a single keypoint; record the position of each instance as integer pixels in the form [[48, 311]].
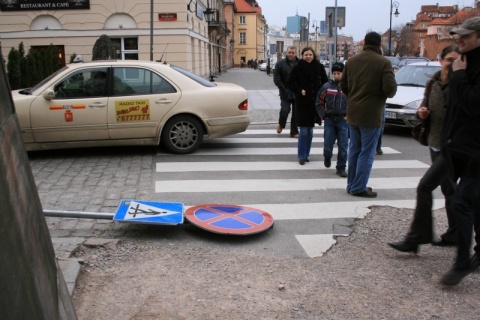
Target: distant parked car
[[263, 66], [408, 60], [394, 61], [411, 81]]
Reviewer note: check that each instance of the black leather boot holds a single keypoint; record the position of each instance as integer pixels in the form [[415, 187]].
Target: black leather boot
[[405, 246]]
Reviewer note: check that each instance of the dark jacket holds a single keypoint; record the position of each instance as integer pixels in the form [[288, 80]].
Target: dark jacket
[[331, 102], [368, 81], [435, 99], [309, 77], [461, 130], [283, 68]]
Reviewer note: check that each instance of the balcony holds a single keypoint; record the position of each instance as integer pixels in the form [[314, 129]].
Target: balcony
[[220, 26], [212, 17]]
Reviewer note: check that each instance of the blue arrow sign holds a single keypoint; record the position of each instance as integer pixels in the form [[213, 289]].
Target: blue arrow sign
[[137, 211]]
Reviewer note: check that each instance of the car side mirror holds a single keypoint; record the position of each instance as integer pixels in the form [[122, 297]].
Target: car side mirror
[[49, 95]]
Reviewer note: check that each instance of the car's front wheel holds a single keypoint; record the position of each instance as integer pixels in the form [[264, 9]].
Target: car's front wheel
[[182, 134]]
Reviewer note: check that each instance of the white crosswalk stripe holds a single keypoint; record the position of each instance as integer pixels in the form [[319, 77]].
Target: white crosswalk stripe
[[273, 165], [275, 185], [259, 140], [213, 177], [232, 150]]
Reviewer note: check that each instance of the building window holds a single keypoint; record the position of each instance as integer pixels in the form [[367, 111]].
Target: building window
[[125, 48], [243, 20], [243, 38], [439, 30], [61, 53]]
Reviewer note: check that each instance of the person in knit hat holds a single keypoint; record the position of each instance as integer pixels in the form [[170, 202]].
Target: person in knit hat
[[331, 105]]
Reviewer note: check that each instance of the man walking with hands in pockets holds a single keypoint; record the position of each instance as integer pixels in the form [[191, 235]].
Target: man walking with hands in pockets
[[283, 68], [368, 81]]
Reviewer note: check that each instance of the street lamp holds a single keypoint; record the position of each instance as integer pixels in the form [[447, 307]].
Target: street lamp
[[315, 25], [211, 15], [395, 5]]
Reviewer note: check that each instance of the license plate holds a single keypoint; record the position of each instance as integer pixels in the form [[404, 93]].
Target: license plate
[[391, 115]]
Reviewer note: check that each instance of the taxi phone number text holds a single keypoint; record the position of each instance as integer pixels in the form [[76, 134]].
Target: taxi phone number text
[[133, 117]]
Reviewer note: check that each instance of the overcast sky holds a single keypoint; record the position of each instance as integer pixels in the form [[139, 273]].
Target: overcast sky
[[361, 15]]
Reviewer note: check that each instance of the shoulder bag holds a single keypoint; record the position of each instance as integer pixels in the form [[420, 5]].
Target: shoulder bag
[[420, 132]]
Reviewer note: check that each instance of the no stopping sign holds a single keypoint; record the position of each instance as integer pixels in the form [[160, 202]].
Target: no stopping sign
[[229, 219]]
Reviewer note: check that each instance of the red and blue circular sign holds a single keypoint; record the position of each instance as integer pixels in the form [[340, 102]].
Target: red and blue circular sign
[[229, 219]]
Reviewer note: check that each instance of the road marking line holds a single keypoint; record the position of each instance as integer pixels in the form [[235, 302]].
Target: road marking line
[[259, 185], [236, 151], [274, 165], [334, 210], [316, 130], [315, 245], [284, 139]]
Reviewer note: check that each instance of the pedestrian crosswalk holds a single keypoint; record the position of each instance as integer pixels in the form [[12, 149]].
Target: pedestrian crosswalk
[[259, 169]]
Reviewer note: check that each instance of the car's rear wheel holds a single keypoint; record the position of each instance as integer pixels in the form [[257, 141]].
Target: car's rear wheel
[[182, 134]]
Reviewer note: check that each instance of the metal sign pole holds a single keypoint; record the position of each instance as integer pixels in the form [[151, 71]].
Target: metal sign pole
[[336, 30]]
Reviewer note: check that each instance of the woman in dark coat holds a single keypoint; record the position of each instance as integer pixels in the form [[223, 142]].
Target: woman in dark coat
[[305, 80]]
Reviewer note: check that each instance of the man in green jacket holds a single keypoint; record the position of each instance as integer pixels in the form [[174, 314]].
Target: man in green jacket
[[368, 81]]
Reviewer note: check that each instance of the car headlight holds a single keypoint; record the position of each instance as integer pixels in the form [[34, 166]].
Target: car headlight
[[414, 105]]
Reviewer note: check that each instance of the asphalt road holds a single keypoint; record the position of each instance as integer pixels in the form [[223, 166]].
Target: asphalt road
[[257, 169]]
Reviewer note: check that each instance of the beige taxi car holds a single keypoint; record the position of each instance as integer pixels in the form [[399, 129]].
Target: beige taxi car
[[128, 102]]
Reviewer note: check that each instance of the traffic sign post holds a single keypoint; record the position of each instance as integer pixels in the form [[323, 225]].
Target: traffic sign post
[[218, 218]]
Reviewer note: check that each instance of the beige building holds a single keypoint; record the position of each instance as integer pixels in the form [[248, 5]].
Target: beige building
[[175, 31], [249, 32]]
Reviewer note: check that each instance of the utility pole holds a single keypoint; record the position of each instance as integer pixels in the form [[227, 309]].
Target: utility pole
[[151, 30], [336, 32]]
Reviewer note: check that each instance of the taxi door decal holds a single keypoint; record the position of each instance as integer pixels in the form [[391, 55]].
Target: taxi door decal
[[132, 110], [68, 116]]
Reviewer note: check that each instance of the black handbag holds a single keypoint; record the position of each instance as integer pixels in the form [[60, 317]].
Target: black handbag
[[420, 132]]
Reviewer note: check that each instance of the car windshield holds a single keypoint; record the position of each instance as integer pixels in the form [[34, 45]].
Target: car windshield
[[41, 83], [416, 76], [194, 77], [409, 61], [394, 60]]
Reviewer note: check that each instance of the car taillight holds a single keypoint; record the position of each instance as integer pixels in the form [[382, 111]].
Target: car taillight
[[243, 105]]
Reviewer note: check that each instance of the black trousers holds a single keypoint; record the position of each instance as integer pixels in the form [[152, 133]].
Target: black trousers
[[466, 206], [421, 229], [285, 107]]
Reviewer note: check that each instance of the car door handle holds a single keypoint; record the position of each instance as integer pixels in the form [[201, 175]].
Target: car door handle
[[163, 101], [97, 105]]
